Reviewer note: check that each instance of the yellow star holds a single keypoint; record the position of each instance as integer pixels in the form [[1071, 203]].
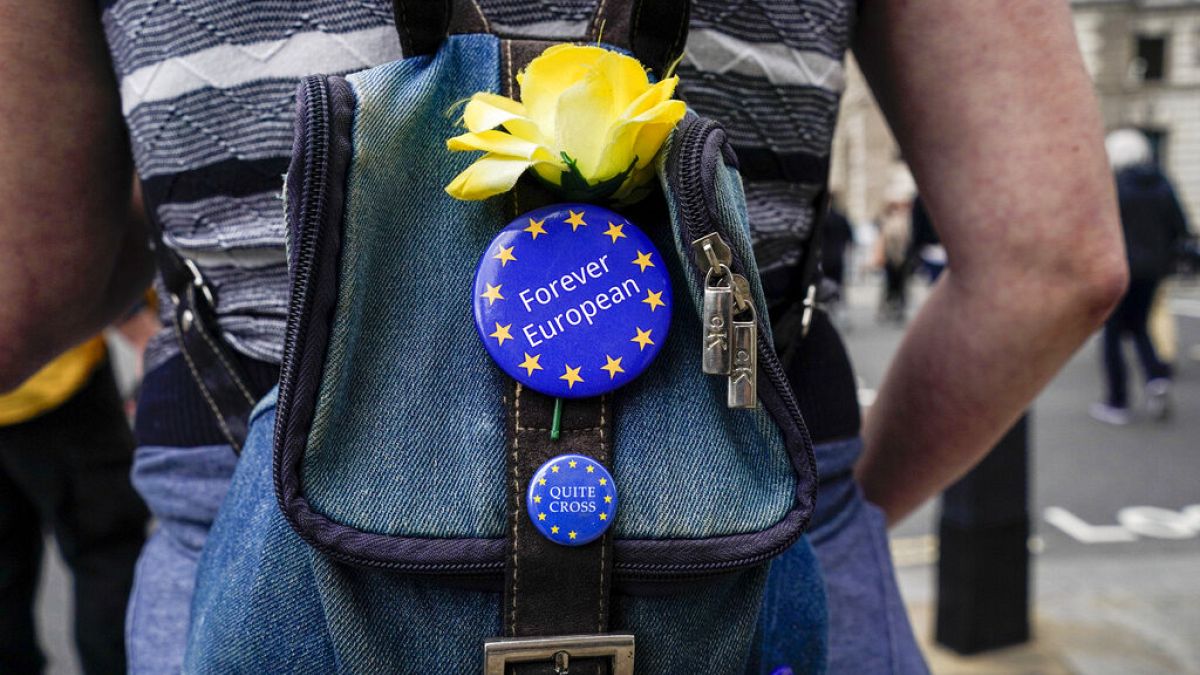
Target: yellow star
[[492, 293], [541, 516], [541, 481], [603, 516], [553, 529], [613, 366], [654, 299], [643, 261], [607, 499], [530, 363], [535, 227], [571, 534], [505, 255], [537, 499], [591, 469], [502, 333], [642, 338], [615, 232], [571, 376], [572, 463], [575, 220], [554, 468], [604, 481]]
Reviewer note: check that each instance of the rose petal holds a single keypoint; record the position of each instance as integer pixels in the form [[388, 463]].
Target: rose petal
[[549, 75], [585, 112], [489, 111], [626, 77], [500, 143], [487, 176]]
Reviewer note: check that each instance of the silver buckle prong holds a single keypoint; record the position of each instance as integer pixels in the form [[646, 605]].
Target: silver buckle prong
[[561, 649]]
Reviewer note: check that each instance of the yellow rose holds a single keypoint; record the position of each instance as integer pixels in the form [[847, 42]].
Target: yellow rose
[[590, 124]]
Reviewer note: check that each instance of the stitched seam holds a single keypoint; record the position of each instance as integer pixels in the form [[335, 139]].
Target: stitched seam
[[216, 410], [487, 25], [404, 25], [633, 30], [508, 66], [603, 546], [516, 502], [678, 46], [228, 368], [597, 20]]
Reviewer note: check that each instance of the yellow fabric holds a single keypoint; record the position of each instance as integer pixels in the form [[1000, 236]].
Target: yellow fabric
[[51, 386]]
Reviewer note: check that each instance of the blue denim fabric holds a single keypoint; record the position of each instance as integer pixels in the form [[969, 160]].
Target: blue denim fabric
[[407, 388], [408, 438], [266, 602], [256, 608], [789, 634], [184, 488], [869, 630]]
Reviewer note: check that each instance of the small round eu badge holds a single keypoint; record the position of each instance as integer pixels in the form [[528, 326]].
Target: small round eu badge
[[572, 300], [572, 500]]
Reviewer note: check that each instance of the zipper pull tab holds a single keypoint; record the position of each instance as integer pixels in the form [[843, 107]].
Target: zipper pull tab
[[716, 316], [743, 377]]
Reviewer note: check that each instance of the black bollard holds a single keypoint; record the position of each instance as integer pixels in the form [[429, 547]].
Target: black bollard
[[983, 566]]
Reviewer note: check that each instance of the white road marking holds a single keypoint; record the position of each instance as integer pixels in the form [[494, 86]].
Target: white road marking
[[1185, 307], [1134, 522]]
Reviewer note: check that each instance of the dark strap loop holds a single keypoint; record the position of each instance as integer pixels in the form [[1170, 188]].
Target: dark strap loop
[[654, 30], [421, 24], [212, 364]]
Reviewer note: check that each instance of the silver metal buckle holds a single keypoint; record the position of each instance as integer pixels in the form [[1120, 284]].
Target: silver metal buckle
[[199, 283], [810, 303], [499, 652]]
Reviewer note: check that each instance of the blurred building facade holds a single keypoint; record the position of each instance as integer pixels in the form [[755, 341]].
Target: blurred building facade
[[1144, 58]]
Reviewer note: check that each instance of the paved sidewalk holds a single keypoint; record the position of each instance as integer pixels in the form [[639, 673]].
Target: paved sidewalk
[[1119, 615]]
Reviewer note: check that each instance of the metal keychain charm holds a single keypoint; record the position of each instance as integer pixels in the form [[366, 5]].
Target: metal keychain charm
[[743, 377], [716, 317]]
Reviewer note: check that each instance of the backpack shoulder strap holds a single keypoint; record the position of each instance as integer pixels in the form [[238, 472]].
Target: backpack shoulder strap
[[421, 24], [652, 30], [655, 31]]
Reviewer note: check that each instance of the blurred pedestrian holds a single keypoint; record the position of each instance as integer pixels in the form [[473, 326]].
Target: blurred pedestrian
[[1153, 223], [927, 246], [836, 238], [893, 254], [65, 453]]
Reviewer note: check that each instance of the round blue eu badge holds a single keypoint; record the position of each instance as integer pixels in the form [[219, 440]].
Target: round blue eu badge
[[572, 500], [572, 300]]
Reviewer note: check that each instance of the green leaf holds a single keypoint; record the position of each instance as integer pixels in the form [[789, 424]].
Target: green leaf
[[575, 187]]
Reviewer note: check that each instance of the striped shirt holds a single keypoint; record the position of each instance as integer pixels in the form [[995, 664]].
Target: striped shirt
[[207, 90]]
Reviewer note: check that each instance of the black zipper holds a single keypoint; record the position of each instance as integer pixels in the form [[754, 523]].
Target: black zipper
[[700, 219], [306, 235]]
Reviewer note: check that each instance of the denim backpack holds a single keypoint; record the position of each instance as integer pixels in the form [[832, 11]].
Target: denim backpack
[[374, 521]]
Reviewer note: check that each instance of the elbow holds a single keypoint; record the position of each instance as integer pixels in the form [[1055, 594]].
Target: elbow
[[1098, 280]]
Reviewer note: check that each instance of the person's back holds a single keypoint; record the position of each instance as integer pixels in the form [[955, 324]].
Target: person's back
[[783, 151], [1151, 218]]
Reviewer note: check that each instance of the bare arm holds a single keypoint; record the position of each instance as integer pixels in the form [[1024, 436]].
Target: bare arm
[[73, 249], [995, 113]]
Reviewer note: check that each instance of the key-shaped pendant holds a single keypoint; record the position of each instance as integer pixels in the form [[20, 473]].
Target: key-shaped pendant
[[743, 375], [716, 315]]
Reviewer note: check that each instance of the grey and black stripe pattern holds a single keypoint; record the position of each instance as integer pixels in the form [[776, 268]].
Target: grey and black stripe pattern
[[207, 89]]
